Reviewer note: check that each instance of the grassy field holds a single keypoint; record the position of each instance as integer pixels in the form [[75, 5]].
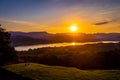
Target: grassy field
[[44, 72]]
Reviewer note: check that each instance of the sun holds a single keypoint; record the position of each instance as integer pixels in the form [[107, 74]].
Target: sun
[[73, 28], [73, 43]]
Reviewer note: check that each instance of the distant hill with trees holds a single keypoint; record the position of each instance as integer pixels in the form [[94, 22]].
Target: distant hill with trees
[[33, 38]]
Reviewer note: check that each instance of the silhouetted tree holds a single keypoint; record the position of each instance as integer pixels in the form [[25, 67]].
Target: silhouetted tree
[[7, 52]]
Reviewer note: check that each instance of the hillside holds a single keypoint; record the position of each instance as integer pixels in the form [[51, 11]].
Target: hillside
[[8, 75], [26, 40], [33, 38], [44, 72]]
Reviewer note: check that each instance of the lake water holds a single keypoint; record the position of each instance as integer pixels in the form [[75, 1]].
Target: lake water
[[22, 48]]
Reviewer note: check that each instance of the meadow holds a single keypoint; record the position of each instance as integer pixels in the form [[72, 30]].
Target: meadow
[[45, 72]]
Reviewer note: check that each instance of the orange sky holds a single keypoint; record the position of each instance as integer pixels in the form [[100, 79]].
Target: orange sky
[[56, 16]]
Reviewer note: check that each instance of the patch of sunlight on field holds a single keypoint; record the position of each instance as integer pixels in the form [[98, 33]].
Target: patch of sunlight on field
[[44, 72]]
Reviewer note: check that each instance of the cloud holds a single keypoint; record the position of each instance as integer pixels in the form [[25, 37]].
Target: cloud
[[22, 22], [110, 11], [103, 23]]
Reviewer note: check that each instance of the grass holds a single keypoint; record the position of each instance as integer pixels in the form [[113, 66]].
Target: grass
[[44, 72]]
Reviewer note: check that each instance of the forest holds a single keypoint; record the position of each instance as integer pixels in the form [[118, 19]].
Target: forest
[[90, 56]]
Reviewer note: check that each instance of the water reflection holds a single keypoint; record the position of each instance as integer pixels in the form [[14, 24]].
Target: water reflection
[[20, 48]]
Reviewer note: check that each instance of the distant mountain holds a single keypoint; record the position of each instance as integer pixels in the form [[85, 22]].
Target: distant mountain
[[37, 35], [25, 40], [32, 38], [108, 36]]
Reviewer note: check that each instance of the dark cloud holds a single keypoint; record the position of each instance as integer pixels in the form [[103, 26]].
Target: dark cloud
[[103, 23]]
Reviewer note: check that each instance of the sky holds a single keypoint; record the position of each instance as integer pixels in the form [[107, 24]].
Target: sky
[[56, 16]]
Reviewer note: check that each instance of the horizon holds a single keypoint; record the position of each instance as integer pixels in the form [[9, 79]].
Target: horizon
[[66, 32]]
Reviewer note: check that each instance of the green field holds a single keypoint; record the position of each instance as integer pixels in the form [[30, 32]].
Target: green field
[[44, 72]]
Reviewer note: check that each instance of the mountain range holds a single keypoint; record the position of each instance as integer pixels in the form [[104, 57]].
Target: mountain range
[[33, 38]]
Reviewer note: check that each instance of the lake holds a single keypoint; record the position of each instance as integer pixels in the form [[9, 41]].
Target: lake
[[24, 48]]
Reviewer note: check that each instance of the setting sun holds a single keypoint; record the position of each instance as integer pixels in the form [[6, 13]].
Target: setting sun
[[73, 28], [73, 43]]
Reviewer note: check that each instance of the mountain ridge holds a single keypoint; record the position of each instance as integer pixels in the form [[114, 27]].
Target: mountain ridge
[[34, 38]]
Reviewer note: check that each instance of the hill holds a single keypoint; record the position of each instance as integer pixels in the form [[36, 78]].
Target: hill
[[36, 35], [34, 38], [8, 75], [26, 40], [44, 72]]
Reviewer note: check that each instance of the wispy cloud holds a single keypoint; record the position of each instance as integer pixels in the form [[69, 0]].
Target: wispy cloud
[[110, 11], [22, 22], [102, 23]]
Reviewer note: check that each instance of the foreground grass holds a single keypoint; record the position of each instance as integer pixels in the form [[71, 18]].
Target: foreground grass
[[44, 72]]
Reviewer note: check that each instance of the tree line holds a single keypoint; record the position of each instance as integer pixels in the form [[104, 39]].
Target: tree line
[[91, 56]]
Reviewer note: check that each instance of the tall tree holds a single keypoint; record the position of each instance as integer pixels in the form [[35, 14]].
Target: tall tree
[[7, 52]]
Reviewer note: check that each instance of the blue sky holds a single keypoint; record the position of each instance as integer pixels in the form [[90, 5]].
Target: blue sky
[[53, 15]]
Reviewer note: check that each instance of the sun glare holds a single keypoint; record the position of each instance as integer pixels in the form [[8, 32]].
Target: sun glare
[[73, 43], [73, 28]]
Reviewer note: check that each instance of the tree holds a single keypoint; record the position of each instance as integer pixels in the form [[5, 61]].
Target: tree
[[7, 52]]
